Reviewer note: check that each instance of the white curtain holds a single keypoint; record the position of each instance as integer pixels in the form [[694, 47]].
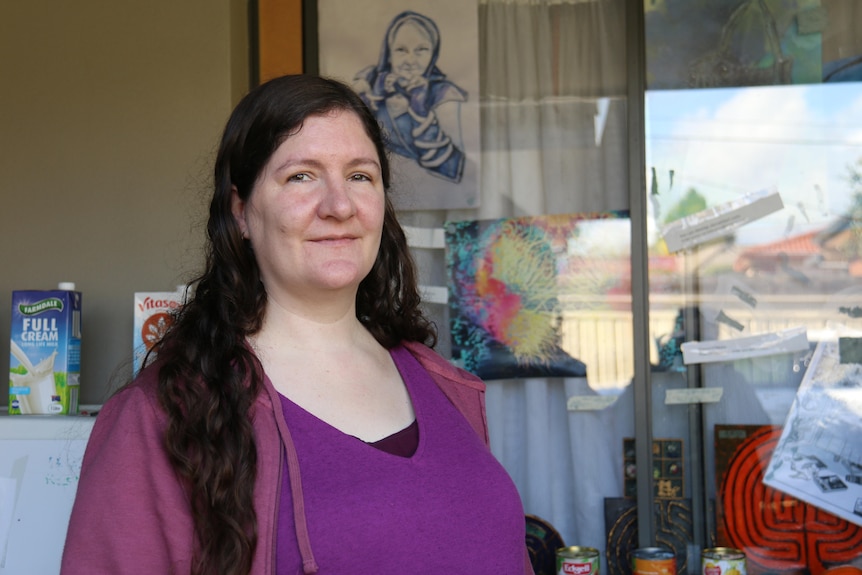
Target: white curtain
[[553, 121]]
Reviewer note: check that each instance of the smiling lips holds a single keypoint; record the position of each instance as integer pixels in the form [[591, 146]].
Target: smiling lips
[[334, 240]]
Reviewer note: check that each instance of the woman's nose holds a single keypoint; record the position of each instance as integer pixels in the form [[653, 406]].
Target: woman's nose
[[337, 201]]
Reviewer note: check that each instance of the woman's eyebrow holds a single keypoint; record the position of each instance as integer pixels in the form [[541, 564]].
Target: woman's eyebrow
[[291, 163]]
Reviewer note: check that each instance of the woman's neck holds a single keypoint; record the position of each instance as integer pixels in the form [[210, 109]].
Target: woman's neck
[[307, 330], [334, 369]]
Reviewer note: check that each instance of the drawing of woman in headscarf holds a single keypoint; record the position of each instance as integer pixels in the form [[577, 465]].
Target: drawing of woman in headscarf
[[417, 105]]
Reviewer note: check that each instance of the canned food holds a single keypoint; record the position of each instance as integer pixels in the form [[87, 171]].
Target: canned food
[[722, 561], [577, 561], [653, 561]]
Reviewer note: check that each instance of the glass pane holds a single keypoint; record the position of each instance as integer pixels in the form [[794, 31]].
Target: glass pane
[[538, 274], [755, 215], [753, 160]]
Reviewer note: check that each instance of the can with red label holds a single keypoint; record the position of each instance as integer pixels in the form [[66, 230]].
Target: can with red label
[[723, 561], [653, 561], [577, 560]]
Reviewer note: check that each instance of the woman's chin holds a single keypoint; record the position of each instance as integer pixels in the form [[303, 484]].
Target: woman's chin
[[337, 276]]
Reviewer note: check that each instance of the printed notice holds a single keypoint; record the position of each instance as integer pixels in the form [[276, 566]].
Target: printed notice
[[693, 395], [785, 341], [720, 220], [590, 402], [818, 458]]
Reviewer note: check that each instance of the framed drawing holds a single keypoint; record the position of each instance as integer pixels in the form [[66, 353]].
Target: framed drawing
[[416, 64]]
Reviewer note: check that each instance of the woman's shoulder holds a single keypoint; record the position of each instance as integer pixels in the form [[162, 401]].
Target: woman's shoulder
[[464, 390], [144, 384], [134, 404], [436, 364]]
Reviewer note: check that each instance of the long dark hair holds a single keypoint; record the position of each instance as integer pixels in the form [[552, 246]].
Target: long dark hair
[[208, 376]]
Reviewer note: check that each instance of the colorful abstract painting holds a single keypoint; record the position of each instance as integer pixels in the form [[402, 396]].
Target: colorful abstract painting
[[514, 284]]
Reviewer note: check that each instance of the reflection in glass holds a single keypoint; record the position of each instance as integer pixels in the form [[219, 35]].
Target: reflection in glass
[[793, 268]]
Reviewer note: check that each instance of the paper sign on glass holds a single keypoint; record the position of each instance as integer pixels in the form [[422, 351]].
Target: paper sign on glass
[[721, 220], [819, 456], [784, 341]]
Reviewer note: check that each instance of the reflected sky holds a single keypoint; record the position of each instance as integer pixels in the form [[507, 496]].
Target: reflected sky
[[727, 142]]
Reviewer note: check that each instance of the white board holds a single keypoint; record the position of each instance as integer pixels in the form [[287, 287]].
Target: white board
[[40, 463]]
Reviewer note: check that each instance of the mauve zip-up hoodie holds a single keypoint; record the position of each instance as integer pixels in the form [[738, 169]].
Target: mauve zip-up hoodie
[[132, 515]]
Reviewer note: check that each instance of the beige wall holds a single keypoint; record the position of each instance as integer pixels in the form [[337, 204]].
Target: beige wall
[[110, 112]]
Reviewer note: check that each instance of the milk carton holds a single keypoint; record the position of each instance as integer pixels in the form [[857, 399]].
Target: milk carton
[[45, 365], [153, 316]]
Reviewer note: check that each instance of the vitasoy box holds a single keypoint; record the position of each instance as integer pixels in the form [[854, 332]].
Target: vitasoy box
[[153, 315], [45, 365]]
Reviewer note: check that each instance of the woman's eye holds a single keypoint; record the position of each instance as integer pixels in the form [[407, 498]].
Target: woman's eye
[[298, 178], [360, 178]]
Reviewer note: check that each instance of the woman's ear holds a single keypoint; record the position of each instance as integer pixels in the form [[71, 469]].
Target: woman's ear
[[237, 208]]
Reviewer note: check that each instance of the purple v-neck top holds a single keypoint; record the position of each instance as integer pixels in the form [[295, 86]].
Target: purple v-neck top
[[450, 507], [403, 443]]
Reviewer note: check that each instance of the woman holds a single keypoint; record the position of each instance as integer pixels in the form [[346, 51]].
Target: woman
[[294, 420], [414, 101]]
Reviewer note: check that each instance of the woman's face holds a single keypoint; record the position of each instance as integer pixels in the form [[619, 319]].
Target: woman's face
[[411, 51], [315, 214]]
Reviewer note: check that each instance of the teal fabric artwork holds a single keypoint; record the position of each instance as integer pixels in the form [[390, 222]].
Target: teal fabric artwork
[[518, 286]]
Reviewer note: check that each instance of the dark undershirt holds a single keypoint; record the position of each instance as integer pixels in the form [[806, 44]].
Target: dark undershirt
[[402, 443]]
